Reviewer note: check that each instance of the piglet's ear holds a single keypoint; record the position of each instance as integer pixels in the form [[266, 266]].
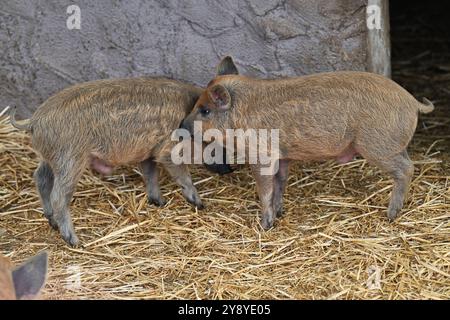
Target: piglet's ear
[[227, 66], [29, 278], [220, 96]]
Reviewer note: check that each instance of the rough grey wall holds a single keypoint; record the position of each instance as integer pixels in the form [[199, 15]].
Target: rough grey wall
[[180, 39]]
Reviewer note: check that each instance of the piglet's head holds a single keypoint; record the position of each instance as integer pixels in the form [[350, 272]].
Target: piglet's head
[[212, 109]]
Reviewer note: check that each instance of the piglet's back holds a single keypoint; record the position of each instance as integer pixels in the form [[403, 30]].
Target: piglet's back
[[134, 94], [363, 85], [117, 113], [360, 87]]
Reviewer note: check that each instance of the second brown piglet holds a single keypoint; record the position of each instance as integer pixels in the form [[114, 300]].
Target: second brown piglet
[[321, 116], [104, 124]]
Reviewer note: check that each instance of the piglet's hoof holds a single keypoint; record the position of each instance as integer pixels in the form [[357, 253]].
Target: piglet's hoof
[[74, 242], [199, 205], [159, 202], [195, 201], [267, 222], [392, 214], [71, 239], [53, 224]]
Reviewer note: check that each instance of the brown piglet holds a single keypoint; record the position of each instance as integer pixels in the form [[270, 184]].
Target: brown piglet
[[321, 116], [25, 281], [104, 124]]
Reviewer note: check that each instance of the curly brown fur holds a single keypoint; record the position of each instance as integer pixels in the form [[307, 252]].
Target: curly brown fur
[[104, 124], [321, 116]]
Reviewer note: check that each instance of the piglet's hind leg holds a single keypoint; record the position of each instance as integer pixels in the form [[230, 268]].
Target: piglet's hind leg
[[150, 173], [67, 175], [401, 169], [44, 182]]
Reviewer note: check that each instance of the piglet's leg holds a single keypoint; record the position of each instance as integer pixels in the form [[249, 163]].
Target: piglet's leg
[[150, 172], [67, 173], [401, 169], [280, 181], [180, 174], [265, 185], [44, 181]]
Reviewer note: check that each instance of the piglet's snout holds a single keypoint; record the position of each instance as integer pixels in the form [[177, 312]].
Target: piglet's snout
[[186, 125]]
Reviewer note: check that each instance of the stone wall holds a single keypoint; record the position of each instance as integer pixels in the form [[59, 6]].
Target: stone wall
[[39, 55]]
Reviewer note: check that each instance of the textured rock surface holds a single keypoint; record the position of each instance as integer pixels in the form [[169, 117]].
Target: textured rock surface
[[180, 39]]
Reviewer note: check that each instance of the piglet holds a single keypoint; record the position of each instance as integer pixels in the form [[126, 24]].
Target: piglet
[[321, 116], [104, 124]]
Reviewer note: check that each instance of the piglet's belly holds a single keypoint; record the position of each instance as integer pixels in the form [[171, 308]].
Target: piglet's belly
[[105, 163], [346, 156], [340, 155], [101, 166]]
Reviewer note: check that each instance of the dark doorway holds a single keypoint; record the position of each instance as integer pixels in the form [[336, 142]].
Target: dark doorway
[[420, 40]]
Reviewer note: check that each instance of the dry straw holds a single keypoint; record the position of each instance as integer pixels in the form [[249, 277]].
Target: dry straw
[[334, 241]]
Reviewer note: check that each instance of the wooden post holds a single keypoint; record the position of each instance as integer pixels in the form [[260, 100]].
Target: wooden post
[[378, 40]]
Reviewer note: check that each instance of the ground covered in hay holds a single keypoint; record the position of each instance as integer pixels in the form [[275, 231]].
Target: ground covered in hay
[[334, 241]]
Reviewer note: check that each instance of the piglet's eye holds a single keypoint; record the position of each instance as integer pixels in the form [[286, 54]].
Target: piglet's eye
[[204, 111]]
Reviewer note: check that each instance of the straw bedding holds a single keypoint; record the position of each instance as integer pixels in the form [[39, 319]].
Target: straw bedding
[[333, 242]]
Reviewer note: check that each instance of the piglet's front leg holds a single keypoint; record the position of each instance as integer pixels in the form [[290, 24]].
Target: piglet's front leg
[[265, 188], [280, 182], [180, 174]]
